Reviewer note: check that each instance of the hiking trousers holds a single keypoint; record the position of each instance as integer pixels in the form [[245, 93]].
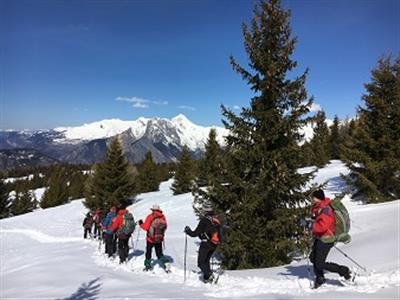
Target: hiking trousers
[[206, 250], [123, 249], [149, 248], [318, 257], [87, 231], [111, 244]]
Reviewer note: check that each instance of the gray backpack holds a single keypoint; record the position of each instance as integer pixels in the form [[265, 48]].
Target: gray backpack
[[128, 225]]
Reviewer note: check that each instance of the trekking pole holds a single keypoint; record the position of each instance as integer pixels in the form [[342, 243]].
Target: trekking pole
[[352, 260], [184, 259]]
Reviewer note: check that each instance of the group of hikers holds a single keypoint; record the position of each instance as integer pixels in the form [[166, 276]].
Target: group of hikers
[[117, 227]]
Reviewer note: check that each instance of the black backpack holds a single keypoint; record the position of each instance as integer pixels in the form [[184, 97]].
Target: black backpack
[[128, 225]]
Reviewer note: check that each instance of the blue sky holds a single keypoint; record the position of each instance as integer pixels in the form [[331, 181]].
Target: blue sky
[[71, 62]]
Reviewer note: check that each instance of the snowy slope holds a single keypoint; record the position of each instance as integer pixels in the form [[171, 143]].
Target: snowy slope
[[44, 253]]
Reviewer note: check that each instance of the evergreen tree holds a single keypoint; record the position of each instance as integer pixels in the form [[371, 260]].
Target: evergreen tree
[[111, 182], [25, 200], [335, 139], [373, 154], [4, 201], [184, 174], [57, 190], [209, 165], [76, 188], [320, 141], [149, 177], [262, 187]]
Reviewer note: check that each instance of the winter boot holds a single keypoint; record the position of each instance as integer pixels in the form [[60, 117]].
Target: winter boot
[[147, 265], [163, 260], [319, 281], [209, 279]]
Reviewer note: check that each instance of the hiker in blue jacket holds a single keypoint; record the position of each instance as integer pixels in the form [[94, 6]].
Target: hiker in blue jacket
[[109, 236]]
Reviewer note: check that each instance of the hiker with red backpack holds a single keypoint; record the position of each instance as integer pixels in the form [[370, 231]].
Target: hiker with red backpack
[[96, 224], [207, 231], [323, 228], [155, 225], [123, 226]]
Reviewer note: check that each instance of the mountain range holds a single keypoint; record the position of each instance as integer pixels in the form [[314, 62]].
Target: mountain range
[[87, 144]]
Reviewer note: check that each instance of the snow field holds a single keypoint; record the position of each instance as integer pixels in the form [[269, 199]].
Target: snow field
[[45, 253]]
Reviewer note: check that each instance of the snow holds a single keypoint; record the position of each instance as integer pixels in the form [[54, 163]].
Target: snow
[[44, 252], [191, 135]]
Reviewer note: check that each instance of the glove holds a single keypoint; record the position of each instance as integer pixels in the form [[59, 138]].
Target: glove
[[140, 222], [187, 229]]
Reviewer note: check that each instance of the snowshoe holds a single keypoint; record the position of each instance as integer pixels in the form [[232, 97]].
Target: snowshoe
[[318, 282]]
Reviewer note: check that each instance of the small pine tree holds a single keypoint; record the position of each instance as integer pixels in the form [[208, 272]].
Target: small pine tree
[[149, 177], [25, 200], [184, 174], [373, 155], [111, 183], [76, 188], [57, 190], [320, 141], [4, 201], [335, 139]]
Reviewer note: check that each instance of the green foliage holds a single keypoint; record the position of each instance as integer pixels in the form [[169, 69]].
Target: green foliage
[[184, 174], [111, 182], [261, 189], [24, 200], [373, 151], [149, 177], [320, 141], [4, 201], [335, 139], [57, 190]]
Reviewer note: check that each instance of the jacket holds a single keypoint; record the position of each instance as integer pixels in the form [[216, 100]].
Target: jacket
[[203, 230], [108, 220], [118, 221], [147, 223], [324, 226]]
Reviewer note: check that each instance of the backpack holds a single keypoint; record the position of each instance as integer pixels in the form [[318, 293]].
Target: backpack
[[128, 225], [157, 229], [342, 221], [218, 224]]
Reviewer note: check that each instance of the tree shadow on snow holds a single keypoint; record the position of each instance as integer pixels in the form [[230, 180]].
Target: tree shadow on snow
[[87, 291]]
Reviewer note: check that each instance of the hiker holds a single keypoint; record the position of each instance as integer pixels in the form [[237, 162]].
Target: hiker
[[123, 226], [323, 232], [208, 233], [96, 223], [87, 225], [155, 225], [109, 236]]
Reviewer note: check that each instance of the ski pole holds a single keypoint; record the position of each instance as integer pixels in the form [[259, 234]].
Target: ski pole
[[356, 263], [184, 259]]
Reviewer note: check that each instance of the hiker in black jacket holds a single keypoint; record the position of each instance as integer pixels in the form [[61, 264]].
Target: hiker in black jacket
[[206, 232], [87, 225]]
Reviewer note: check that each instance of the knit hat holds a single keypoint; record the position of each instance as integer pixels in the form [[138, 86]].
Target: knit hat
[[319, 194], [156, 207]]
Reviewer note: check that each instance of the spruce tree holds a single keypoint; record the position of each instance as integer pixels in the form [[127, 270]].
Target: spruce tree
[[149, 177], [209, 164], [262, 188], [4, 201], [373, 154], [184, 174], [111, 183], [320, 141], [335, 139], [25, 200], [57, 190]]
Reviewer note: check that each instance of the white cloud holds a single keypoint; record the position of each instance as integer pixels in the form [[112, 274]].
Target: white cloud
[[236, 107], [185, 107], [315, 107], [140, 102]]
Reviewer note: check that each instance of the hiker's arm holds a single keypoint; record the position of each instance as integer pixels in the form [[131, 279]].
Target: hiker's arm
[[146, 225], [199, 229]]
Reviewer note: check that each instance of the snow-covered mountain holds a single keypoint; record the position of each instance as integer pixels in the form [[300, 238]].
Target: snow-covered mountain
[[43, 255], [178, 131], [165, 138]]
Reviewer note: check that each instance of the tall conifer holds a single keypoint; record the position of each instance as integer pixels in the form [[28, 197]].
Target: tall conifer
[[184, 175], [262, 187]]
